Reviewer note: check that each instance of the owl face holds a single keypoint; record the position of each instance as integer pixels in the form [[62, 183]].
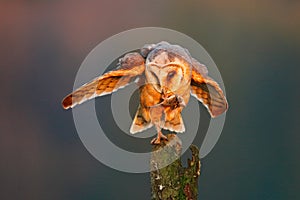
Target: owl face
[[167, 72]]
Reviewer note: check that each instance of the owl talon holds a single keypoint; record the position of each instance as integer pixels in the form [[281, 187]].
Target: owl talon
[[174, 101], [180, 101], [157, 140]]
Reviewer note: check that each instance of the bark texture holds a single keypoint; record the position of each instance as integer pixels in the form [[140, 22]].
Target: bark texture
[[173, 181]]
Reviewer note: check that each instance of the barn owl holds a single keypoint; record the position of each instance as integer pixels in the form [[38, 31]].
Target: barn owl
[[166, 75]]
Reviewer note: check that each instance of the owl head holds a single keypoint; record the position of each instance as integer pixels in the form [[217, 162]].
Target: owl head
[[168, 68]]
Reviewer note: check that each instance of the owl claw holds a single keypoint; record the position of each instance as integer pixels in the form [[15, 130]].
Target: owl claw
[[158, 139], [180, 101], [174, 101]]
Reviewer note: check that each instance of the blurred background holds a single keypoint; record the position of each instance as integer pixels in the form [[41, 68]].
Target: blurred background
[[255, 44]]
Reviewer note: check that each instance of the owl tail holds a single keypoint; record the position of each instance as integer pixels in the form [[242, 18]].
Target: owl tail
[[174, 124], [141, 121]]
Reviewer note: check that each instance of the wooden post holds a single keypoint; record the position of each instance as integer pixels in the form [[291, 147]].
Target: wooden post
[[173, 182]]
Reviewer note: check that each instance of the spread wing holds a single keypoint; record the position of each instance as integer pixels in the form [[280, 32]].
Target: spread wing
[[206, 90], [131, 66]]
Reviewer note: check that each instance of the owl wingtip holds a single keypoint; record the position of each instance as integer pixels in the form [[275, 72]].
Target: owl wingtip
[[67, 102], [219, 111]]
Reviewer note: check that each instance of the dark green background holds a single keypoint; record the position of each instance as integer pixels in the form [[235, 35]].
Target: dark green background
[[254, 43]]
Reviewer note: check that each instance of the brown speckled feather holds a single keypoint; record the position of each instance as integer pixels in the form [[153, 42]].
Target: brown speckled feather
[[131, 66], [206, 90]]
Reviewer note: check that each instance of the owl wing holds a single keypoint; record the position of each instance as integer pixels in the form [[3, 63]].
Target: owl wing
[[131, 66], [207, 91]]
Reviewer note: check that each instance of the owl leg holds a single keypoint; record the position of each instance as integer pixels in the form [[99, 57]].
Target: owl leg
[[159, 137]]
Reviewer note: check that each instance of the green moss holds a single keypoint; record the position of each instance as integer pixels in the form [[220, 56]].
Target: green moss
[[174, 181]]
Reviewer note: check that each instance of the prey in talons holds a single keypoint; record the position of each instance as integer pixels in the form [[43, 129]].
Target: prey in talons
[[159, 112]]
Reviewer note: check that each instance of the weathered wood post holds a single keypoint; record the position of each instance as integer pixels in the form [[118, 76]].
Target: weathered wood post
[[173, 182]]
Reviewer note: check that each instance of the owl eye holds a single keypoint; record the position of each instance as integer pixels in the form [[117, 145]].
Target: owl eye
[[171, 74]]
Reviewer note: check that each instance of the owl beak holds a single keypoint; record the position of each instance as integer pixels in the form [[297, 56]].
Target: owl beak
[[165, 90]]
